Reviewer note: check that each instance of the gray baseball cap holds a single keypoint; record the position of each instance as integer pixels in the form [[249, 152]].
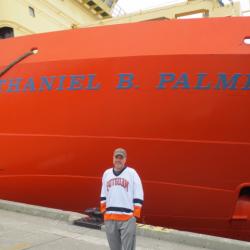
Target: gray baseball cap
[[120, 151]]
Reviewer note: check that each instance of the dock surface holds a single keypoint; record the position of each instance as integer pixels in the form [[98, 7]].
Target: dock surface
[[20, 231]]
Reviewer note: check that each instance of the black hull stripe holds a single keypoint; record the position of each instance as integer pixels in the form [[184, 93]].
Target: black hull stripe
[[103, 198]]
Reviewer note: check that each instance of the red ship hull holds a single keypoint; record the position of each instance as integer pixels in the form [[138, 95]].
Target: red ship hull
[[175, 94]]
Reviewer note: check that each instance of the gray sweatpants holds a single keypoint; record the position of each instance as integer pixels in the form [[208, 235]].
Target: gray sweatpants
[[121, 234]]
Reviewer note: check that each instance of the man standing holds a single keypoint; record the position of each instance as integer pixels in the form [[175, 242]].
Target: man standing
[[121, 202]]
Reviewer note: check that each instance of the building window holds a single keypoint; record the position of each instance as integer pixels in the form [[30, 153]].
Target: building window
[[110, 3], [32, 11], [6, 32], [91, 3]]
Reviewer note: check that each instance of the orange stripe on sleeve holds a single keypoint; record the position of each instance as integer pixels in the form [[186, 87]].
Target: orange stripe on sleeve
[[103, 207], [137, 211]]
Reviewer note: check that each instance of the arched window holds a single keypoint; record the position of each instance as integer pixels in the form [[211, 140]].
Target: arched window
[[6, 32]]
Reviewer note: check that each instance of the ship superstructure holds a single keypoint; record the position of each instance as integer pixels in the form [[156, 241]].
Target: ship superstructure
[[23, 17]]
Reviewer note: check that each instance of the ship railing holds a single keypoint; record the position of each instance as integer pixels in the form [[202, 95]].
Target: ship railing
[[169, 3], [117, 11], [245, 12]]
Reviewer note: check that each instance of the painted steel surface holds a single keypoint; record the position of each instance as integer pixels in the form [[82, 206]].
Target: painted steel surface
[[175, 94]]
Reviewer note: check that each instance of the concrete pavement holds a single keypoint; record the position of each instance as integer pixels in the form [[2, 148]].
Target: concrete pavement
[[31, 227], [22, 231]]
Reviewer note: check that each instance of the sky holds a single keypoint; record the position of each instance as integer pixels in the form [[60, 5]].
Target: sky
[[137, 5]]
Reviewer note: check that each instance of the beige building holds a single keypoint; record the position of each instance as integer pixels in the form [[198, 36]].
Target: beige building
[[22, 17]]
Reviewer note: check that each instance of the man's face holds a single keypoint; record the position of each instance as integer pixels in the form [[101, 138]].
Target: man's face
[[119, 162]]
